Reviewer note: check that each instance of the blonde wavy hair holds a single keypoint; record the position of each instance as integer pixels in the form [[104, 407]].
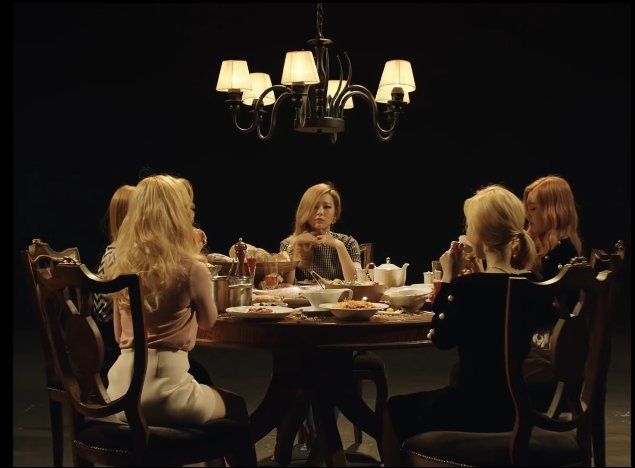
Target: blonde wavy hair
[[495, 217], [557, 210], [308, 202], [118, 209], [156, 238]]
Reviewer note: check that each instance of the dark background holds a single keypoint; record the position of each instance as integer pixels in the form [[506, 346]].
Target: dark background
[[104, 94]]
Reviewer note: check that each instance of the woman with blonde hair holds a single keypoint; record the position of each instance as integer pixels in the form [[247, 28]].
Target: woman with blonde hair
[[156, 241], [330, 254], [480, 400]]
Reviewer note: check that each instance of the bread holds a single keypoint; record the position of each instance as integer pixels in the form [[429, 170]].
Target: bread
[[261, 254], [218, 257]]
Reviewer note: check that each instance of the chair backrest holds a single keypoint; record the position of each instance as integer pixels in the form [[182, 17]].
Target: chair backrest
[[64, 292], [366, 251], [580, 340], [39, 254], [600, 260]]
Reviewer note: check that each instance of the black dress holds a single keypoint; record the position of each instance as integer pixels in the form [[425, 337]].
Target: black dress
[[560, 255], [537, 368], [469, 314]]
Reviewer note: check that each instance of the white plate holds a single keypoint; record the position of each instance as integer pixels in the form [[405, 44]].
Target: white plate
[[243, 311], [394, 312], [353, 314]]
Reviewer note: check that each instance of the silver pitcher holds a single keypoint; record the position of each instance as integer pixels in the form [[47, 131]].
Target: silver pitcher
[[220, 292], [240, 294]]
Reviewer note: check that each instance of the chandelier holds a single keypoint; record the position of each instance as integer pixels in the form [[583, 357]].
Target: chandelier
[[318, 102]]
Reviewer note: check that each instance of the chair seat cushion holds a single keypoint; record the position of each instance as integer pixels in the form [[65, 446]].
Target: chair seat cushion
[[546, 448], [167, 445], [368, 361]]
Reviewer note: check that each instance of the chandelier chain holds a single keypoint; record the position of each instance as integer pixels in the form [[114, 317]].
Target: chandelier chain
[[320, 19]]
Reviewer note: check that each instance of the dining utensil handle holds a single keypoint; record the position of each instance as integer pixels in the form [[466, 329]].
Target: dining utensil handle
[[318, 278]]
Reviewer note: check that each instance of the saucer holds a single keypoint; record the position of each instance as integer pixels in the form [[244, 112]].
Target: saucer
[[310, 310]]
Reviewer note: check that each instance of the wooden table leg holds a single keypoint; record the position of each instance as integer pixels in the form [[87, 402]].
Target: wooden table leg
[[330, 443], [288, 427]]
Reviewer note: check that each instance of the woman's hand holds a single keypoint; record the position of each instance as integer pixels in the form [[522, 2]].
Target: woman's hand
[[200, 237], [447, 262], [328, 239], [305, 238]]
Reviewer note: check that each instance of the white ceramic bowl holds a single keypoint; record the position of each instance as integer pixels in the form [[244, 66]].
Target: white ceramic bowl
[[407, 297]]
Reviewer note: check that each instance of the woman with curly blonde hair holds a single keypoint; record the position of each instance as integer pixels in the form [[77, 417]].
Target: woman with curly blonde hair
[[156, 241], [552, 223]]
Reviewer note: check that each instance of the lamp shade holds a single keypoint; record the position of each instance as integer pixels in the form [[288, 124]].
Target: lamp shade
[[398, 73], [384, 95], [259, 82], [299, 67], [332, 88], [234, 74]]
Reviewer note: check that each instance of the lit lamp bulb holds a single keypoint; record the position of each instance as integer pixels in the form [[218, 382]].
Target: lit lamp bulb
[[332, 87], [259, 82], [398, 74], [233, 77], [299, 68]]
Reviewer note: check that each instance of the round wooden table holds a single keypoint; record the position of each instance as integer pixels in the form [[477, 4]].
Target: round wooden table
[[312, 365]]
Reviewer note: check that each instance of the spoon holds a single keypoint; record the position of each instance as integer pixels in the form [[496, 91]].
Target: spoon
[[318, 278]]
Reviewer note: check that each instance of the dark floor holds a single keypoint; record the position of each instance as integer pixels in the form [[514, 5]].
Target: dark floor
[[247, 372]]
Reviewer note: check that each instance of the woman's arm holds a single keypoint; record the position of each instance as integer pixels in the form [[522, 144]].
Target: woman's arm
[[446, 321], [201, 295], [116, 321], [343, 254]]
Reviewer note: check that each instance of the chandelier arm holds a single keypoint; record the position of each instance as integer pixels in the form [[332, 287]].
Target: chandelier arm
[[274, 112], [383, 134], [251, 127], [258, 110], [350, 69], [337, 91]]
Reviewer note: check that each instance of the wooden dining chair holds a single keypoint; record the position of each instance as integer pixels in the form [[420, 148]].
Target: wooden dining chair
[[64, 292], [39, 254], [599, 261], [562, 435], [366, 253]]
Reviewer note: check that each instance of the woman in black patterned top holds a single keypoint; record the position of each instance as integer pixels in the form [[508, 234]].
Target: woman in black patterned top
[[470, 314], [329, 254], [552, 221]]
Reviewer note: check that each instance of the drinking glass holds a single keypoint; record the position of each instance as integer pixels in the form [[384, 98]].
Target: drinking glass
[[251, 262], [270, 280], [437, 271]]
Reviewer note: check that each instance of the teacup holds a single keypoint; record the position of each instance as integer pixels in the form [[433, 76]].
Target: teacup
[[322, 296], [364, 274]]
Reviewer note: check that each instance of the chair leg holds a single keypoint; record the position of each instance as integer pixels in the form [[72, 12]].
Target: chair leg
[[356, 430], [57, 431], [380, 403]]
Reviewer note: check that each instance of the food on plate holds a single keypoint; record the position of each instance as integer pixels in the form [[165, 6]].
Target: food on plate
[[259, 310], [353, 282], [355, 305], [266, 298]]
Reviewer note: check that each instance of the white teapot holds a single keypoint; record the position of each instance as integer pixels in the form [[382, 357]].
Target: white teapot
[[390, 274]]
